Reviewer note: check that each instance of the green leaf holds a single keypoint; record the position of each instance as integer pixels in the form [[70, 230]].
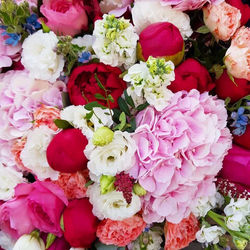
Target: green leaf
[[89, 115], [123, 106], [50, 239], [62, 223], [63, 124], [122, 120], [231, 78], [142, 106], [89, 106], [129, 99], [227, 101], [110, 97], [20, 11], [217, 69], [100, 96], [203, 30], [6, 18], [116, 115], [89, 183], [99, 82], [46, 29]]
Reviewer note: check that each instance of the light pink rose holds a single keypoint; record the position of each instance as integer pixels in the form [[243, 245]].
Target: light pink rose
[[65, 17], [237, 58], [116, 7], [8, 53], [37, 205], [179, 150], [222, 20], [19, 98], [188, 4]]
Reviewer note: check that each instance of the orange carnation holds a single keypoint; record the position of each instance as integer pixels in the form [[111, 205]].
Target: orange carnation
[[45, 115], [120, 233], [73, 184], [178, 236], [16, 150]]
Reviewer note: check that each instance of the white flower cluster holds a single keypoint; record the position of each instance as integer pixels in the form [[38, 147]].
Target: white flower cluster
[[115, 41], [150, 79], [237, 213]]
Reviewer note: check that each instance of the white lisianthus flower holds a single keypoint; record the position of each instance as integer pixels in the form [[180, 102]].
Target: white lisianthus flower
[[9, 178], [112, 205], [240, 206], [76, 115], [39, 56], [112, 158], [6, 242], [33, 155], [143, 16], [236, 221], [115, 41], [209, 234], [27, 241]]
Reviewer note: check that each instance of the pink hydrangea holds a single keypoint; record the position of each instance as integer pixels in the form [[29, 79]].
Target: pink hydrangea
[[8, 53], [19, 98], [179, 151], [188, 4]]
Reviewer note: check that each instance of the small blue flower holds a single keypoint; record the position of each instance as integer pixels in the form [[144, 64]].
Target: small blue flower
[[3, 27], [240, 121], [32, 20], [13, 38], [85, 57]]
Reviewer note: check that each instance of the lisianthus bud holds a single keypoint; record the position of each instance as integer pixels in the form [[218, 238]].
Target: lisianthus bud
[[102, 136], [161, 40], [139, 190], [27, 241], [240, 243], [107, 183]]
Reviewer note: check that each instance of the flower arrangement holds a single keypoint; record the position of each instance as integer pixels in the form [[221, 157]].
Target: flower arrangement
[[125, 124]]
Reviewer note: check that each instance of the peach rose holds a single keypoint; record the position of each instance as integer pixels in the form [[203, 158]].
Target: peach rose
[[222, 20], [65, 17], [237, 58], [45, 115], [73, 184], [120, 233], [180, 235]]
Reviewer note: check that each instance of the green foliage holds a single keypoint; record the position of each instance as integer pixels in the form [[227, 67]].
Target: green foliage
[[50, 239], [235, 106], [63, 124]]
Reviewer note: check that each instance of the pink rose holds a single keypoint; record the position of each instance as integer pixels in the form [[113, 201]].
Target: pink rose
[[117, 8], [222, 20], [237, 58], [37, 205], [65, 17]]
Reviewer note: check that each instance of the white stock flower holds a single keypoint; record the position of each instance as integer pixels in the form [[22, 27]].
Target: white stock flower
[[113, 158], [240, 206], [209, 234], [9, 178], [40, 58], [138, 100], [143, 16], [112, 205], [76, 116], [236, 221], [27, 241], [33, 155], [115, 41], [6, 242]]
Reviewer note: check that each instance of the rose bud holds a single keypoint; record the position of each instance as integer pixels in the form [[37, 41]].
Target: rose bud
[[27, 241], [191, 75], [161, 40], [225, 87], [243, 140], [80, 224], [222, 20], [65, 151]]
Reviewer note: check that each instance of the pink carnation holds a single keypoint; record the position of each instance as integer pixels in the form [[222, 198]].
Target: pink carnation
[[179, 151], [19, 98], [188, 4]]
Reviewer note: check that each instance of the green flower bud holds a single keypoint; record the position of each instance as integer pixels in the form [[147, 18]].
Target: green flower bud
[[102, 136], [240, 243], [107, 184], [139, 190]]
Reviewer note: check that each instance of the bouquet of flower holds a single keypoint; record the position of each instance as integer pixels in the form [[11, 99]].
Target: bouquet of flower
[[124, 124]]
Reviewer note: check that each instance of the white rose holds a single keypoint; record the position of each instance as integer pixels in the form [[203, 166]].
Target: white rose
[[239, 206], [209, 234], [9, 178], [26, 241], [143, 16], [33, 155], [236, 221], [6, 242], [113, 158], [40, 58], [112, 205]]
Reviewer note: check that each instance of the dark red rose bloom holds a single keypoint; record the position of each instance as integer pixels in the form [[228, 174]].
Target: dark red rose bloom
[[226, 88], [93, 10], [65, 151], [191, 75], [82, 85], [79, 223], [243, 140]]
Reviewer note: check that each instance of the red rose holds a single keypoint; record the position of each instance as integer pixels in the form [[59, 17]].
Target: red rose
[[243, 7], [191, 75], [82, 85], [65, 151], [161, 40], [80, 224], [93, 10], [226, 88], [243, 140]]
